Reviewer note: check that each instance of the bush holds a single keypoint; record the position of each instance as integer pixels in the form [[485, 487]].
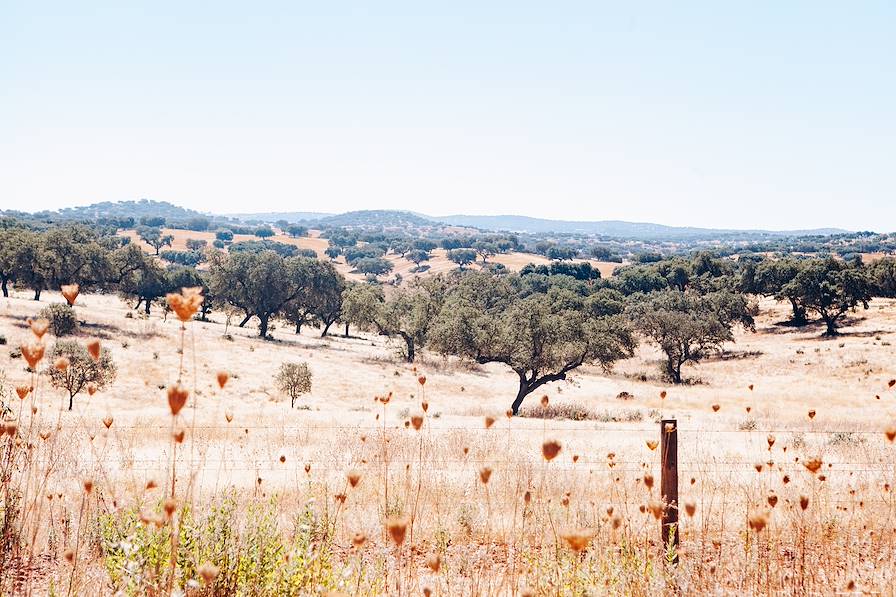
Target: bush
[[294, 379], [571, 411], [62, 319], [82, 370]]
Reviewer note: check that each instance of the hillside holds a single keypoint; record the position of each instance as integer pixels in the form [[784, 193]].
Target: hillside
[[613, 228]]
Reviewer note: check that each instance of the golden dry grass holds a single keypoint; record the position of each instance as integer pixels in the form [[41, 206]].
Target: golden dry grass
[[492, 540], [438, 264]]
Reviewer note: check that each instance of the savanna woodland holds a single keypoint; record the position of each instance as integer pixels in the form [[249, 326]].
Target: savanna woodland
[[377, 404]]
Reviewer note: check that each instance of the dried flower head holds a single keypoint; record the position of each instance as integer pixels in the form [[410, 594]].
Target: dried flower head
[[93, 349], [545, 401], [33, 354], [70, 292], [772, 500], [652, 444], [228, 416], [812, 414], [485, 473], [758, 521], [39, 327], [169, 506], [663, 395], [177, 398], [209, 572], [91, 389], [417, 422], [577, 539], [890, 432], [804, 502], [354, 477], [813, 465], [716, 407], [434, 562], [397, 527], [358, 540], [222, 377], [648, 481], [550, 449], [186, 303], [656, 508], [178, 435], [23, 391], [425, 406], [88, 485], [107, 421], [690, 508], [61, 364], [422, 380], [489, 421]]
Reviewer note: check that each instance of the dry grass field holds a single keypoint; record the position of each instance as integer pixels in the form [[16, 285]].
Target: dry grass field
[[438, 264], [343, 494]]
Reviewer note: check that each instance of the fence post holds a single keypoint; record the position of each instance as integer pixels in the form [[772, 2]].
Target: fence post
[[669, 485]]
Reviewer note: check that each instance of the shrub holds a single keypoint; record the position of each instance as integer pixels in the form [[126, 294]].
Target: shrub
[[294, 379], [569, 410], [82, 370], [63, 321]]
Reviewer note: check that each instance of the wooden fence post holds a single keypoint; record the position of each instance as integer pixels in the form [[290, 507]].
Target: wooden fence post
[[669, 485]]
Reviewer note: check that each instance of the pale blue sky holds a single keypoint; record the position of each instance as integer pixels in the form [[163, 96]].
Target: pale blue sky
[[760, 114]]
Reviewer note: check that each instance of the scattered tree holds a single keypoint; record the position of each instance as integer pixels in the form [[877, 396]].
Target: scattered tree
[[686, 325], [294, 379], [81, 369]]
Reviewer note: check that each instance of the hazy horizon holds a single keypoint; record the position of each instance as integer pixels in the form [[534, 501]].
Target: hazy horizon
[[768, 116]]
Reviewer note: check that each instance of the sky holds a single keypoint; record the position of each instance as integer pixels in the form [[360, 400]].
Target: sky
[[765, 114]]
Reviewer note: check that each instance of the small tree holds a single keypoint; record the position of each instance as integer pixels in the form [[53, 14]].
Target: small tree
[[418, 256], [686, 325], [296, 230], [373, 266], [154, 237], [264, 232], [294, 379], [196, 244], [81, 371], [63, 321], [462, 257], [830, 288]]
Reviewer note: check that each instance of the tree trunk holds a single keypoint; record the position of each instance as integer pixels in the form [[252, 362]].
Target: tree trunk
[[346, 329], [298, 328], [409, 342], [831, 323], [263, 325], [524, 390], [245, 321], [148, 305], [37, 294], [673, 369], [326, 329], [799, 313], [71, 399], [5, 289]]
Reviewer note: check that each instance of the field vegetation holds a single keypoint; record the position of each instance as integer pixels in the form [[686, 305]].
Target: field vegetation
[[262, 424]]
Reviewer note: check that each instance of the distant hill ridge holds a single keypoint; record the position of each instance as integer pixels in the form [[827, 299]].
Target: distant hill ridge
[[616, 228], [398, 218]]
